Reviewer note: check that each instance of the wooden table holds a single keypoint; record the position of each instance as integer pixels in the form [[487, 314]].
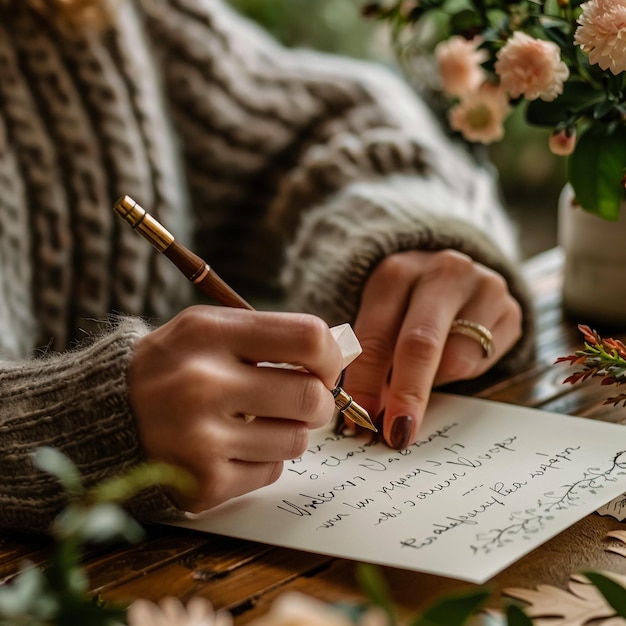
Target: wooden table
[[246, 577]]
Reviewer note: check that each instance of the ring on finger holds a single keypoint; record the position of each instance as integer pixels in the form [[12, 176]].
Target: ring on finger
[[474, 331]]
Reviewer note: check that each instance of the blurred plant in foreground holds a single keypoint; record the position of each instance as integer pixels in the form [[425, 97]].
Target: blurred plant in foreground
[[59, 593]]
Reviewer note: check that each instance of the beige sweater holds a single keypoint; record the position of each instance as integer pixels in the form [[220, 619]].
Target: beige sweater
[[288, 170]]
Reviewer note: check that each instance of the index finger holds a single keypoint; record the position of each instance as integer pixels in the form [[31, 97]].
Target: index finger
[[377, 325], [417, 355], [296, 338]]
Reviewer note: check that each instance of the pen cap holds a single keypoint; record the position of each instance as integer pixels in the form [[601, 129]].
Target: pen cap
[[134, 215]]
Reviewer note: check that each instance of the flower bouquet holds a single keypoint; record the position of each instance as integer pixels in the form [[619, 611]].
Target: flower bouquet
[[563, 60]]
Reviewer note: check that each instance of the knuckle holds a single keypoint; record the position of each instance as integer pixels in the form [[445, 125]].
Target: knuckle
[[498, 283], [409, 397], [495, 286], [192, 373], [376, 349], [311, 396], [299, 441], [312, 332], [197, 384], [393, 266], [459, 368], [211, 490], [275, 471], [452, 264], [188, 320], [421, 343], [516, 316]]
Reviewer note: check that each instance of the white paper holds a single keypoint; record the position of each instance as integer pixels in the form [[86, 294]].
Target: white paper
[[483, 484]]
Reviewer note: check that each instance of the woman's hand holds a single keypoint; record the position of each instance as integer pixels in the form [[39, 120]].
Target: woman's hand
[[193, 380], [408, 306]]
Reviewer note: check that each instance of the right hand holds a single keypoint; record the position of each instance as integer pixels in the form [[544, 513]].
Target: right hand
[[192, 381]]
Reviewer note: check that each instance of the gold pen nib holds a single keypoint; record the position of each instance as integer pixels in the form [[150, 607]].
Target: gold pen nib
[[354, 412]]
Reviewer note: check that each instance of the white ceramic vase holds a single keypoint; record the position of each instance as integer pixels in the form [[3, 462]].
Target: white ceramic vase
[[594, 280]]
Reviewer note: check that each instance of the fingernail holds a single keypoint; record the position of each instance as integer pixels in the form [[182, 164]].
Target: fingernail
[[401, 430]]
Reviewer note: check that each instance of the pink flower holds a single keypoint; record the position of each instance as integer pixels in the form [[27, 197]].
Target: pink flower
[[458, 60], [479, 116], [407, 6], [602, 33], [563, 142], [531, 67]]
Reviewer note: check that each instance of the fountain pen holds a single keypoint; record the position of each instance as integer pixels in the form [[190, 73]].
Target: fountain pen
[[209, 282]]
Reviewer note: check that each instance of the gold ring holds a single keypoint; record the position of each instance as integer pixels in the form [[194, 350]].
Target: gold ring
[[247, 418], [475, 331]]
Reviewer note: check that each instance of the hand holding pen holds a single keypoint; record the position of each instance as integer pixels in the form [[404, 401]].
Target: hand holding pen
[[193, 381]]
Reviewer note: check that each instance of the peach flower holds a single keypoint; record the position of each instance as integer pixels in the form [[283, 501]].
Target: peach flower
[[602, 33], [407, 6], [479, 116], [172, 612], [458, 60], [531, 68], [297, 609], [563, 142]]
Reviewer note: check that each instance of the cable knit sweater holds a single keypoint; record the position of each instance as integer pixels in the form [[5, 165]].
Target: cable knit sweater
[[286, 169]]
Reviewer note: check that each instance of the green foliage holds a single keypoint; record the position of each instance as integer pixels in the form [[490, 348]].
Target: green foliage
[[613, 592], [59, 594], [329, 25], [516, 617], [592, 105], [121, 488], [375, 587], [453, 610], [603, 358], [596, 170]]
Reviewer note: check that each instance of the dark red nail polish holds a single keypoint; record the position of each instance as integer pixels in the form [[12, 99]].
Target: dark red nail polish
[[401, 432]]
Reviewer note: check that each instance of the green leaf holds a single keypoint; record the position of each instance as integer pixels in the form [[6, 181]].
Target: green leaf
[[596, 170], [613, 592], [516, 617], [141, 477], [53, 462], [374, 586], [602, 108], [98, 523], [91, 613], [453, 610], [554, 32], [27, 595], [466, 21], [575, 98], [65, 578]]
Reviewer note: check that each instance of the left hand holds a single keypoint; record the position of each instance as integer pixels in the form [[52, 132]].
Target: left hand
[[407, 308]]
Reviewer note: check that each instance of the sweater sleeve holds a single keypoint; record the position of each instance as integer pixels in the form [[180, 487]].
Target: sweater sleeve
[[340, 154], [49, 401]]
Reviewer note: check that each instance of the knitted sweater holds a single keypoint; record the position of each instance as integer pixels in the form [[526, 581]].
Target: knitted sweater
[[291, 171]]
